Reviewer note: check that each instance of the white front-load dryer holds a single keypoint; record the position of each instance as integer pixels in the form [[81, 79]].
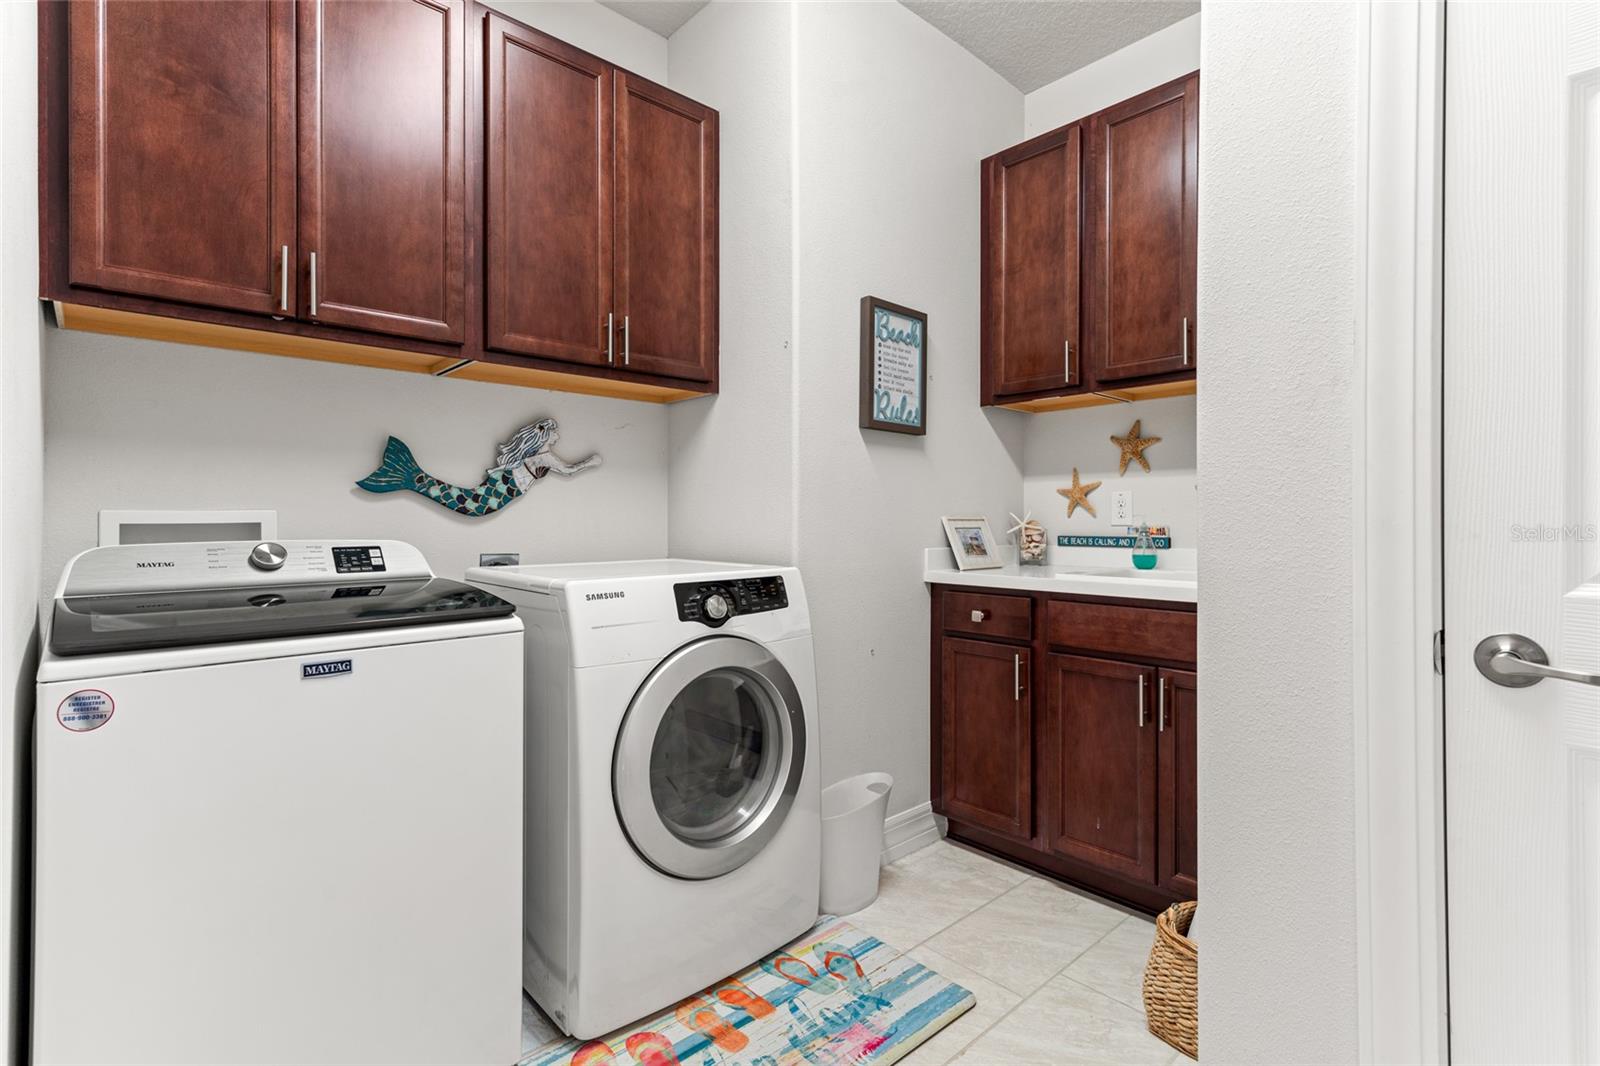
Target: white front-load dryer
[[673, 809]]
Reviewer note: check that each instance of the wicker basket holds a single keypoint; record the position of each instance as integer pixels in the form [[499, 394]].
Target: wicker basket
[[1172, 982]]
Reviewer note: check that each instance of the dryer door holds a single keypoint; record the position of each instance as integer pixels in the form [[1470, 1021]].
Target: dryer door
[[709, 757]]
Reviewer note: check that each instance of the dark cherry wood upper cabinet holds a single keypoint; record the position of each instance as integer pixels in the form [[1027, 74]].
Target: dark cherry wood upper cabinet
[[383, 165], [666, 231], [163, 99], [1099, 750], [1178, 701], [986, 736], [1142, 191], [1031, 277], [548, 166]]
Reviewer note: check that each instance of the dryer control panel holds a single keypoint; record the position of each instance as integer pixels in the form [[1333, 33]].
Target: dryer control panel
[[714, 602]]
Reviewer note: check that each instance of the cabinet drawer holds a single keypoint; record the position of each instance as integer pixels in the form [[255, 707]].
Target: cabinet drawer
[[989, 614], [1140, 632]]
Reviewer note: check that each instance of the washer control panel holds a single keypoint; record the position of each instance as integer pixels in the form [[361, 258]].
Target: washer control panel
[[714, 602]]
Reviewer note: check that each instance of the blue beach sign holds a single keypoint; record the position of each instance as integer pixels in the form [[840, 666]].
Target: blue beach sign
[[893, 367]]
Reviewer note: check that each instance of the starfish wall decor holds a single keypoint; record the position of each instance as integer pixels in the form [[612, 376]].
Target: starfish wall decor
[[1078, 495], [1133, 447]]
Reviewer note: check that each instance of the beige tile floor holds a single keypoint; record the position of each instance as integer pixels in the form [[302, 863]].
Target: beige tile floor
[[1056, 972]]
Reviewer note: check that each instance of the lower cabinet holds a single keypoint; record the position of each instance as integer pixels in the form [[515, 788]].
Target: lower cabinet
[[1093, 781], [1178, 866], [986, 725], [1098, 757]]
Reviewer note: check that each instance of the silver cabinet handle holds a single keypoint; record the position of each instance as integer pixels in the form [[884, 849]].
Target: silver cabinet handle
[[610, 338], [283, 279], [625, 344], [1186, 341], [1161, 705], [1066, 358], [1141, 701], [313, 284], [1512, 660], [1016, 676], [980, 616]]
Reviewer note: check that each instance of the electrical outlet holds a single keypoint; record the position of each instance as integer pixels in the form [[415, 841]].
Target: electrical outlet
[[1122, 508]]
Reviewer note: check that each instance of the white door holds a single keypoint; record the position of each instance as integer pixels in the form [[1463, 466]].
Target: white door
[[1522, 528]]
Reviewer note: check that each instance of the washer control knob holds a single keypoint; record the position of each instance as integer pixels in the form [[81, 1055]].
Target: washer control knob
[[716, 607], [268, 555]]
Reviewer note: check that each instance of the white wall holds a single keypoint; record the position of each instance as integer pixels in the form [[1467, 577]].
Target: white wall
[[594, 28], [1150, 61], [20, 481], [733, 478], [1056, 442], [132, 423], [893, 118], [1277, 294]]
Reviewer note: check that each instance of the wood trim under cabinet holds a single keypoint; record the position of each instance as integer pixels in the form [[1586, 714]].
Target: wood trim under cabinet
[[92, 319]]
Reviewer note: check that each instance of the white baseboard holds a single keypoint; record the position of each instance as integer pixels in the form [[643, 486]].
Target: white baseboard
[[909, 830]]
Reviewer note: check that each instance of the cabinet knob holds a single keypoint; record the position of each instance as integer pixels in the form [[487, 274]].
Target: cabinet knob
[[980, 616]]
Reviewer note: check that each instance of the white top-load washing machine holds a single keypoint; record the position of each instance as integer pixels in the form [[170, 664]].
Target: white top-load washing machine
[[673, 823], [278, 810]]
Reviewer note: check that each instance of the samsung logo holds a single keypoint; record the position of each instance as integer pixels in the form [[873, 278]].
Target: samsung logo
[[331, 668], [604, 595], [157, 562]]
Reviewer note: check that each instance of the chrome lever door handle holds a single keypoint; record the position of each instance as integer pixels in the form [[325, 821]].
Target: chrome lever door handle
[[1512, 660]]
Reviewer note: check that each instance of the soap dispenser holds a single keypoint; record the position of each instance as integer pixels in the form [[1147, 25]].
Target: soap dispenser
[[1144, 548]]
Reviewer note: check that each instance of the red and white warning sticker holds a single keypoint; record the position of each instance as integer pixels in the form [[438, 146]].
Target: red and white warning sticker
[[86, 709]]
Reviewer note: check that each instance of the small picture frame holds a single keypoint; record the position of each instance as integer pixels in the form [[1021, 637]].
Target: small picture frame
[[972, 543], [894, 367]]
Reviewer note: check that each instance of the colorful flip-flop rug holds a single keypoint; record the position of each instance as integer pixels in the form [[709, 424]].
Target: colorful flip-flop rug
[[837, 995]]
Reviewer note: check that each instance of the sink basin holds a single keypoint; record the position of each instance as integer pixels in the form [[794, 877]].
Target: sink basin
[[1157, 574]]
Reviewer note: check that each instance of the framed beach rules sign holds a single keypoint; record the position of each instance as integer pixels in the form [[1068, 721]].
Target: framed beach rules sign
[[894, 367]]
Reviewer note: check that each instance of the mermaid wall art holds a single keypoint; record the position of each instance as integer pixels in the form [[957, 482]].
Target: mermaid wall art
[[522, 460]]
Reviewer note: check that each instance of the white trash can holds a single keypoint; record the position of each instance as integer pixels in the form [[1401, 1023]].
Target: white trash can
[[852, 841]]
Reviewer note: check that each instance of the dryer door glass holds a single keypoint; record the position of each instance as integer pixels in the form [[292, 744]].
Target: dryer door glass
[[709, 757]]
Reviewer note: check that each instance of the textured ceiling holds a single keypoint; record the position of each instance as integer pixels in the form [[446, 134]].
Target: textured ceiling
[[1033, 42], [663, 16]]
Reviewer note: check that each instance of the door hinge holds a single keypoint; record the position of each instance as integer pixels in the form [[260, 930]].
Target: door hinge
[[1438, 652]]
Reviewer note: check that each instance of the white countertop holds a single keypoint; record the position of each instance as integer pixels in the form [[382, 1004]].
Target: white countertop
[[1174, 580]]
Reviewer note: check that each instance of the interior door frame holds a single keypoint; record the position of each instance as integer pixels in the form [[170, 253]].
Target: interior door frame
[[1398, 560]]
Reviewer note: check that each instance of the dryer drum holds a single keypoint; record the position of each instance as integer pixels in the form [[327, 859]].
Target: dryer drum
[[709, 757]]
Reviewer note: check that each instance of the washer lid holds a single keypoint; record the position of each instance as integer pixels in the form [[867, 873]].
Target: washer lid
[[85, 625]]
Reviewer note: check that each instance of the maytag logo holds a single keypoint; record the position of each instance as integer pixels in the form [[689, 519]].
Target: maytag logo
[[331, 668], [604, 595], [156, 562]]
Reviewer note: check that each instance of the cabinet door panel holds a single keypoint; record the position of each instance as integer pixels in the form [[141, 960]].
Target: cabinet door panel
[[666, 235], [1099, 755], [1032, 253], [181, 144], [1179, 853], [383, 165], [1144, 199], [987, 737], [549, 212]]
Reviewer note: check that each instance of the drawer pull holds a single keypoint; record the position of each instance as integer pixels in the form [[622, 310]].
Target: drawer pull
[[980, 616], [1141, 701], [1016, 676]]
